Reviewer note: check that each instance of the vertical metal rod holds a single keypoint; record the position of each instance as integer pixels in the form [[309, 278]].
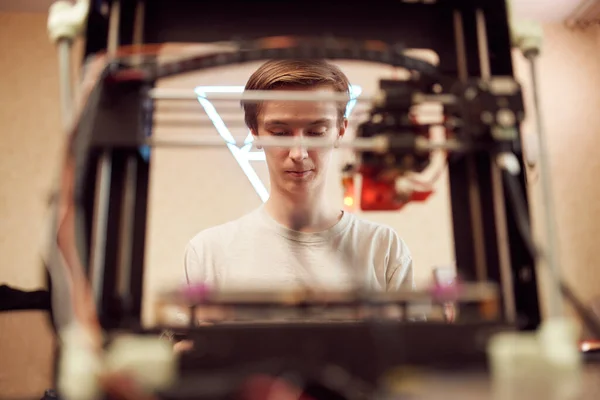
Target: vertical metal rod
[[66, 83], [508, 295], [476, 220], [551, 251], [62, 293], [138, 32], [103, 186], [113, 28], [100, 225], [474, 193], [124, 274], [482, 44], [138, 29], [126, 228], [461, 52]]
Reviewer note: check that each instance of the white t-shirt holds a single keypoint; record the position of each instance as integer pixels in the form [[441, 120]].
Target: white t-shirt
[[255, 252]]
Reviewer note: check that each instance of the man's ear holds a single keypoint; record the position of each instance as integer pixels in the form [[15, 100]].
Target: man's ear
[[343, 127], [254, 135]]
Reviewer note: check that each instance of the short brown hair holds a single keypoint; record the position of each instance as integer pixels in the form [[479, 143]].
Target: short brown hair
[[277, 74]]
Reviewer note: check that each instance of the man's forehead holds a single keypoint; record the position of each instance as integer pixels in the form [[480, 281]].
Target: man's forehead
[[297, 112]]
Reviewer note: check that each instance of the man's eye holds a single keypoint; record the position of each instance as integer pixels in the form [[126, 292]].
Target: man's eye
[[316, 133], [280, 133]]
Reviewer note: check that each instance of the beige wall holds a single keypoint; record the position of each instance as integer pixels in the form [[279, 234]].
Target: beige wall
[[30, 126], [569, 72], [571, 107], [29, 146], [186, 197]]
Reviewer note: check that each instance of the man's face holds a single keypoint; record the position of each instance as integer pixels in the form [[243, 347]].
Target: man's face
[[299, 171]]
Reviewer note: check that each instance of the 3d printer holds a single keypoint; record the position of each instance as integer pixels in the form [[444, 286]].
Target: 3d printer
[[97, 263]]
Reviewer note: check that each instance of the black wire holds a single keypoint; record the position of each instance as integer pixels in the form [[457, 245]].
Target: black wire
[[304, 48], [517, 202]]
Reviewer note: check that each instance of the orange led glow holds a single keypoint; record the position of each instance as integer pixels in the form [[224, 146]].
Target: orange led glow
[[348, 201], [348, 186]]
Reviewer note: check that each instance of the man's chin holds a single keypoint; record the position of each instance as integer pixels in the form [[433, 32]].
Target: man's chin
[[298, 188]]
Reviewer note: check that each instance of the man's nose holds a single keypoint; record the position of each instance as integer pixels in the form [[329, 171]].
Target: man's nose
[[298, 153]]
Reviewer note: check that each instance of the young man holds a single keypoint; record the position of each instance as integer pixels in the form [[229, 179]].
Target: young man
[[299, 238]]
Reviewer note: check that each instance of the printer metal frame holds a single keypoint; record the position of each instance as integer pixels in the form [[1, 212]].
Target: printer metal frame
[[114, 193]]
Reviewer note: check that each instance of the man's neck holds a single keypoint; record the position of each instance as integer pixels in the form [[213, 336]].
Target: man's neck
[[308, 214]]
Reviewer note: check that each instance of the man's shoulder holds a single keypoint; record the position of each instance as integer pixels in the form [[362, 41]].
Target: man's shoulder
[[365, 227], [382, 240], [219, 234], [379, 234]]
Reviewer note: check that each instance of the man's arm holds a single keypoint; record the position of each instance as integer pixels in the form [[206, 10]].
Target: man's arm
[[198, 261], [192, 266], [400, 274], [199, 272]]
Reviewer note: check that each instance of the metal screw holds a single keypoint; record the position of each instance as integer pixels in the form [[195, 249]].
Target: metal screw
[[470, 93], [506, 117], [487, 117], [525, 274]]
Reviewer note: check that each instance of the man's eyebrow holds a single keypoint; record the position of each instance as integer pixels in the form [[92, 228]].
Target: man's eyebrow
[[321, 121], [317, 122], [275, 122]]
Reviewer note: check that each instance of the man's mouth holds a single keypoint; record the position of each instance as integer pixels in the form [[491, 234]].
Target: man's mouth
[[299, 174]]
